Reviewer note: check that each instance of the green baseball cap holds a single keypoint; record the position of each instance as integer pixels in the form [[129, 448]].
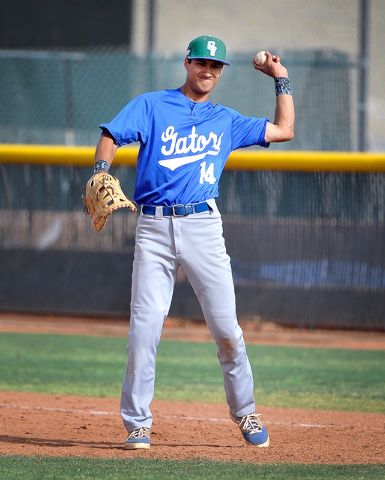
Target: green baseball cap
[[207, 47]]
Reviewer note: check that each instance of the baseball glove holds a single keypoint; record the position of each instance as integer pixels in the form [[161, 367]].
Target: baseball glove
[[103, 196]]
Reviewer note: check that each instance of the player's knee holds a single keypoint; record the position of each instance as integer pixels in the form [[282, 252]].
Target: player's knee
[[229, 348]]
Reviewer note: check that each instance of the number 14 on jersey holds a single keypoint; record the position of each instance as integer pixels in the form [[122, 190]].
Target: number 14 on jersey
[[207, 174]]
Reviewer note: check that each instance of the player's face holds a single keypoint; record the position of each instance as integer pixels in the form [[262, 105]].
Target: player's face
[[202, 76]]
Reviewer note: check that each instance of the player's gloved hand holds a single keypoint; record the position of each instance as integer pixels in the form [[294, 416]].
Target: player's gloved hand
[[103, 196]]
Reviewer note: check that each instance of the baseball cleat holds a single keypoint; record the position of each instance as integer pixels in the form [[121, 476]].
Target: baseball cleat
[[137, 439], [252, 429]]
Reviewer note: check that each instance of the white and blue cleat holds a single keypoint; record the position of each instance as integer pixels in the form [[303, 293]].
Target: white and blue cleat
[[252, 429], [138, 439]]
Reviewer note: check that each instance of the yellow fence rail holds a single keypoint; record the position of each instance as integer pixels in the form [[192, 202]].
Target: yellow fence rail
[[238, 160]]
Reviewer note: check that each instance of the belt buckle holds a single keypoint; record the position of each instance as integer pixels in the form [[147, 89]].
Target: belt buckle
[[176, 214]]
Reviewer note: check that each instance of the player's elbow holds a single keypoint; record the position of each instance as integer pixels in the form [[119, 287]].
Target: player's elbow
[[289, 134], [279, 133], [285, 135]]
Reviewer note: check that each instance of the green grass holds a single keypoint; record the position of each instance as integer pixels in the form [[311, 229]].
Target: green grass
[[328, 379], [39, 468], [284, 376]]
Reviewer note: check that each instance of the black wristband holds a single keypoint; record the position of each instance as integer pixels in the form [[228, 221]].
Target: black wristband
[[101, 165], [282, 86]]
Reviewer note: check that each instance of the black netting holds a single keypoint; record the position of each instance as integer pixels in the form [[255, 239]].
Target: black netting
[[307, 248]]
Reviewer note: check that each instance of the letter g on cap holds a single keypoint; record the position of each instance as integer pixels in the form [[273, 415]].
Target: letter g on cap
[[211, 47]]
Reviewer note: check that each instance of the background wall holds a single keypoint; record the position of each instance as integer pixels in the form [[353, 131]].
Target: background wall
[[65, 23], [279, 26]]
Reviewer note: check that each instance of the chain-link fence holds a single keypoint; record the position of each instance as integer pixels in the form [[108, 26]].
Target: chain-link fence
[[61, 96]]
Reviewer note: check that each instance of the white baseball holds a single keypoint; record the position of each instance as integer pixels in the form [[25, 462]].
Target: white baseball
[[260, 58]]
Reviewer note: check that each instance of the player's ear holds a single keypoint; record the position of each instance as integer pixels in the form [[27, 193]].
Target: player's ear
[[186, 63]]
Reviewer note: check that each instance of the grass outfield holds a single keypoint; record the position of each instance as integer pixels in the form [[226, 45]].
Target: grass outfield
[[310, 378], [38, 468], [333, 379]]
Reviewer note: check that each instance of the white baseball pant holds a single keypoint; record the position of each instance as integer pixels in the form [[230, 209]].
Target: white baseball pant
[[196, 243]]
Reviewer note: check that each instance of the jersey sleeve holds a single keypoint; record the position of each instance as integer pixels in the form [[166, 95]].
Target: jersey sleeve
[[247, 131], [131, 123]]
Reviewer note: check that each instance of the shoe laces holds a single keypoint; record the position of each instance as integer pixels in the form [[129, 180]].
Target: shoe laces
[[142, 432], [251, 423]]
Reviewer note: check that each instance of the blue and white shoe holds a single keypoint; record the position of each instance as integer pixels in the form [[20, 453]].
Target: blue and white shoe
[[139, 438], [252, 429]]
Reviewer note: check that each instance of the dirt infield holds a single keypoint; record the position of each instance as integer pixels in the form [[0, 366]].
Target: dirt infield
[[57, 425], [255, 332]]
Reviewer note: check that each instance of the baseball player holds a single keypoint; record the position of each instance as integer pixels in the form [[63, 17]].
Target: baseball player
[[185, 141]]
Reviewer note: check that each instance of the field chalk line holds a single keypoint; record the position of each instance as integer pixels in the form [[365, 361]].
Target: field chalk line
[[94, 412]]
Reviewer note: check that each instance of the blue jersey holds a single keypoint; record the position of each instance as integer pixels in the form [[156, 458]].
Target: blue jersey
[[183, 145]]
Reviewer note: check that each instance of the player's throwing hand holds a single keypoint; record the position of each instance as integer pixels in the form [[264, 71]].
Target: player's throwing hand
[[271, 67]]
